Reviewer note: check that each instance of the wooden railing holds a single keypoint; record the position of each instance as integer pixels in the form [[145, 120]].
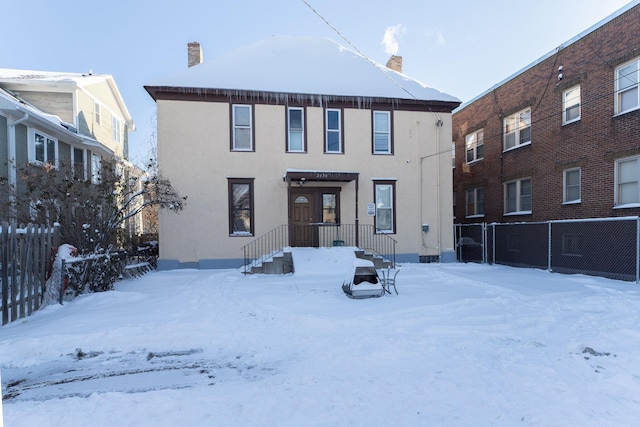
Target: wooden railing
[[362, 236]]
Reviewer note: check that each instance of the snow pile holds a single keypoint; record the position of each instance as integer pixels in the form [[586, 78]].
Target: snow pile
[[461, 345], [55, 283]]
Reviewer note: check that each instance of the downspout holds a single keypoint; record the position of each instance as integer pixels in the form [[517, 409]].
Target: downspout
[[11, 156]]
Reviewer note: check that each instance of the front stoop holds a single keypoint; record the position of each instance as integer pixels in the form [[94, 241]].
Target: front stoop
[[279, 264], [378, 261]]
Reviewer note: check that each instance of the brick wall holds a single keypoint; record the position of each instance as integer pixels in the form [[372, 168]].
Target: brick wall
[[592, 143]]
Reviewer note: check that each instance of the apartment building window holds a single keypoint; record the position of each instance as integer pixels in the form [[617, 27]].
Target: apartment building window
[[571, 105], [241, 206], [475, 202], [242, 128], [474, 143], [382, 132], [627, 177], [517, 129], [385, 204], [44, 149], [571, 185], [116, 129], [517, 197], [333, 131], [97, 113], [627, 91], [295, 126]]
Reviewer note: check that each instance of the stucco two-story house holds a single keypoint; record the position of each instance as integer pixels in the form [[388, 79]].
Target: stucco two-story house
[[303, 142], [559, 139]]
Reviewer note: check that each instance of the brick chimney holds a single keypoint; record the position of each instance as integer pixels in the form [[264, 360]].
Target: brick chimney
[[395, 63], [195, 54]]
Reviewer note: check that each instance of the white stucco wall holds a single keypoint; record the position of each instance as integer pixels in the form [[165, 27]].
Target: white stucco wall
[[194, 153]]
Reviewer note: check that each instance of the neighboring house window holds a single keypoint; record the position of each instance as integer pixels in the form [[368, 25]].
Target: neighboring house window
[[385, 202], [382, 132], [627, 178], [571, 105], [517, 129], [241, 206], [116, 129], [96, 168], [333, 131], [242, 131], [627, 91], [517, 196], [475, 202], [44, 149], [79, 170], [97, 113], [295, 125], [474, 143], [571, 185]]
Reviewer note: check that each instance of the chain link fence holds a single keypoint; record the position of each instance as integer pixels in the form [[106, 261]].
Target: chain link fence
[[607, 247]]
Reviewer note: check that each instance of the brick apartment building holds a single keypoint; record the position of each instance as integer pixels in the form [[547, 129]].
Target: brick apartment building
[[560, 139]]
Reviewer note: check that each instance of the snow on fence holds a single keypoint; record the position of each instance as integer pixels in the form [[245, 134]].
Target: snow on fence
[[25, 258], [605, 247]]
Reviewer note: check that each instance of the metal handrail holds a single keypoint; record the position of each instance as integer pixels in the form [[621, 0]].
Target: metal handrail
[[362, 236]]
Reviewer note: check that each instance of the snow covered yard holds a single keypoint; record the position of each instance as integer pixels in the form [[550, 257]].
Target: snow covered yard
[[461, 345]]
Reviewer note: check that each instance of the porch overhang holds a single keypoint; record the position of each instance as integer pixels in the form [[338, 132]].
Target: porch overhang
[[319, 176]]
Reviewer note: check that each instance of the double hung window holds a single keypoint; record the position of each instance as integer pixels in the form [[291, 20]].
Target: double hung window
[[242, 128], [333, 131], [571, 185], [571, 105], [627, 90], [44, 149], [382, 132], [475, 202], [295, 126], [385, 202], [517, 197], [517, 129], [627, 179], [474, 145]]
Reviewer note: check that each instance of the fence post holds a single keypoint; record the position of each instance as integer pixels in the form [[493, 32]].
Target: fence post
[[637, 250], [549, 249], [62, 267]]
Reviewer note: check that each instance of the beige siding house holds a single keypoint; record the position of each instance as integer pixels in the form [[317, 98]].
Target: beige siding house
[[302, 142]]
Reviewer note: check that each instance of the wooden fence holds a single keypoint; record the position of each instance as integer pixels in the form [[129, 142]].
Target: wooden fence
[[25, 257]]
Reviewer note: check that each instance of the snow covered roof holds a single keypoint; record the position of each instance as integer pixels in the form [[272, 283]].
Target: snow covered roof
[[301, 65], [48, 77]]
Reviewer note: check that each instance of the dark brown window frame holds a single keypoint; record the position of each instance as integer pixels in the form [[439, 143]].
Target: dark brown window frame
[[394, 224], [304, 128], [243, 181], [324, 129]]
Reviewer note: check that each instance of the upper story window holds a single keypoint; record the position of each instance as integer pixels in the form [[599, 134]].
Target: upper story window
[[474, 145], [116, 129], [43, 149], [627, 178], [242, 129], [295, 126], [333, 131], [475, 202], [627, 91], [97, 113], [517, 129], [571, 186], [571, 105], [382, 132], [517, 197]]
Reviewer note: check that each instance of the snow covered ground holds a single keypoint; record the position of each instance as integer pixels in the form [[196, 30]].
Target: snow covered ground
[[461, 345]]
